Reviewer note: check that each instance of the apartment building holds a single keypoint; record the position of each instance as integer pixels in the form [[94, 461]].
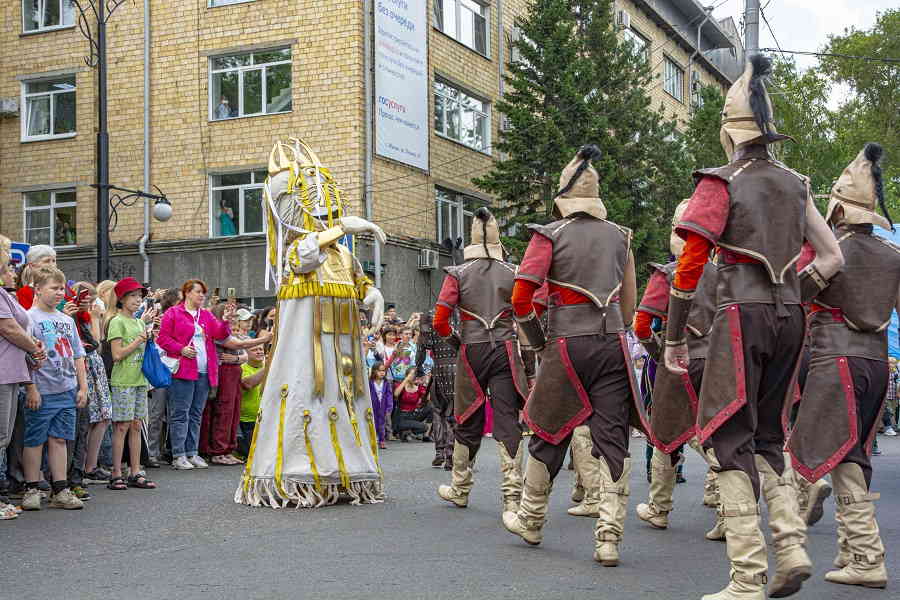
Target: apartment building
[[229, 77]]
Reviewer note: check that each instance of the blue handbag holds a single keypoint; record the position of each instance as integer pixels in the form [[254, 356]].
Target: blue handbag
[[157, 373]]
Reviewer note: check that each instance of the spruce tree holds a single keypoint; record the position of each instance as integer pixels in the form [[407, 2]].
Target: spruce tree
[[702, 134], [577, 83]]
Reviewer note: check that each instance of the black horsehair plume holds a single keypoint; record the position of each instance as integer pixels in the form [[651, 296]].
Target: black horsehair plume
[[483, 215], [873, 153], [586, 153], [762, 112]]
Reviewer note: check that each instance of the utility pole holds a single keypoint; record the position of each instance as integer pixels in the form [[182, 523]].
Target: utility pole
[[751, 26]]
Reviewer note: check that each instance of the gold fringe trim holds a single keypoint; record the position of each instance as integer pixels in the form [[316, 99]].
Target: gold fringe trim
[[307, 419], [279, 456], [336, 444], [373, 439], [305, 289], [262, 491]]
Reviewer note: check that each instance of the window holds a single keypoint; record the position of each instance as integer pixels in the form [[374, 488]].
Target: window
[[236, 203], [214, 3], [465, 21], [46, 15], [50, 218], [673, 79], [49, 108], [255, 83], [461, 117], [455, 212], [640, 46]]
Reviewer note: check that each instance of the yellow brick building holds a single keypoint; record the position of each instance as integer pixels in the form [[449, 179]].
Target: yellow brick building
[[285, 68]]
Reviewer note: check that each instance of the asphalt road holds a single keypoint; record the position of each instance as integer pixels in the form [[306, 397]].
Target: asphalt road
[[189, 540]]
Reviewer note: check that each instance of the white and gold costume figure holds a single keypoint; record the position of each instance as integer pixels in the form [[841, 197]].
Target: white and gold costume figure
[[315, 435]]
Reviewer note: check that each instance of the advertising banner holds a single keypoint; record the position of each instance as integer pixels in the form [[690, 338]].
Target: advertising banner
[[401, 81]]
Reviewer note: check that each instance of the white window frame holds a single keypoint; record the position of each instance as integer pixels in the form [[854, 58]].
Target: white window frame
[[218, 3], [41, 5], [241, 70], [25, 115], [485, 112], [458, 11], [630, 33], [457, 202], [242, 188], [670, 68], [52, 209]]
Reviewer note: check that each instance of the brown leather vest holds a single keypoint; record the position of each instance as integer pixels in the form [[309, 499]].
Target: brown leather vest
[[866, 288], [703, 308], [766, 221], [589, 257], [485, 290]]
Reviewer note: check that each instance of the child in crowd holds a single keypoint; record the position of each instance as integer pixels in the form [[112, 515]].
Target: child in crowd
[[60, 387], [252, 373], [127, 337], [382, 394]]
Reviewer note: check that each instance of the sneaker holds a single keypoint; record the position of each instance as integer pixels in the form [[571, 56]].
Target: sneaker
[[198, 462], [876, 452], [890, 431], [32, 499], [80, 493], [66, 500], [98, 477], [182, 463]]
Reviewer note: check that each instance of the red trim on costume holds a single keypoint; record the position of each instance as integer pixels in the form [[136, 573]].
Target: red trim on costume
[[846, 378], [691, 262], [737, 352], [707, 211], [579, 417], [480, 396]]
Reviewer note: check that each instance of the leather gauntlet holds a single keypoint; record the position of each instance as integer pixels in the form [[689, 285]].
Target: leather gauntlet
[[531, 334], [811, 283], [652, 346], [679, 308], [453, 340]]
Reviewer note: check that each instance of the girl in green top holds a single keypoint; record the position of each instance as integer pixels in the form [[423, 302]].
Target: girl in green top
[[127, 338]]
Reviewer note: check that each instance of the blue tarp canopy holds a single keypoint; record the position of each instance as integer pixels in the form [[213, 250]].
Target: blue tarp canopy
[[893, 347]]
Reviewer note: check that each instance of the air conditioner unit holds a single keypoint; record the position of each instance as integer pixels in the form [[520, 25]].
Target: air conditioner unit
[[623, 19], [9, 107], [428, 259]]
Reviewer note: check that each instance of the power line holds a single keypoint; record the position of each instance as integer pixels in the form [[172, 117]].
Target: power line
[[834, 55], [769, 26]]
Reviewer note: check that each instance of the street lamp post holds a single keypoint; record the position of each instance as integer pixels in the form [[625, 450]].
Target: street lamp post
[[93, 16]]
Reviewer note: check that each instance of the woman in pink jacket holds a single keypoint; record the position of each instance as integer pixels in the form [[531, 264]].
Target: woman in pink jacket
[[188, 332]]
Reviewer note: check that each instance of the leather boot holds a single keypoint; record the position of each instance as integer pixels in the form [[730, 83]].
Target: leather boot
[[857, 508], [613, 506], [528, 520], [587, 473], [816, 494], [711, 490], [461, 479], [717, 533], [792, 564], [745, 544], [662, 485], [511, 469], [577, 448]]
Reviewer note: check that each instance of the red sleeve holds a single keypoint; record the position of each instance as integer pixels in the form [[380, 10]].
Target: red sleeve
[[541, 299], [446, 303], [656, 297], [707, 211], [523, 291], [642, 322], [691, 262], [536, 262]]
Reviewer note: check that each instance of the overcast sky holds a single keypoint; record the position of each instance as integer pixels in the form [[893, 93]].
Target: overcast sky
[[806, 24]]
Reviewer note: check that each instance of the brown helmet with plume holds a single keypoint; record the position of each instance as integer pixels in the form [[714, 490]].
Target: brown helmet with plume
[[579, 186], [485, 237], [858, 190]]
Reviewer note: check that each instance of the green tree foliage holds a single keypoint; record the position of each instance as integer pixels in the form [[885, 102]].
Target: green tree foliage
[[872, 113], [702, 135], [575, 83]]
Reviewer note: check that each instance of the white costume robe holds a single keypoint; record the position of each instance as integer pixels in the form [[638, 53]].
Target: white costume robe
[[309, 447]]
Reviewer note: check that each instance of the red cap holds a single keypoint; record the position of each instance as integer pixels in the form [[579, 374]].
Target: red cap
[[129, 284]]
